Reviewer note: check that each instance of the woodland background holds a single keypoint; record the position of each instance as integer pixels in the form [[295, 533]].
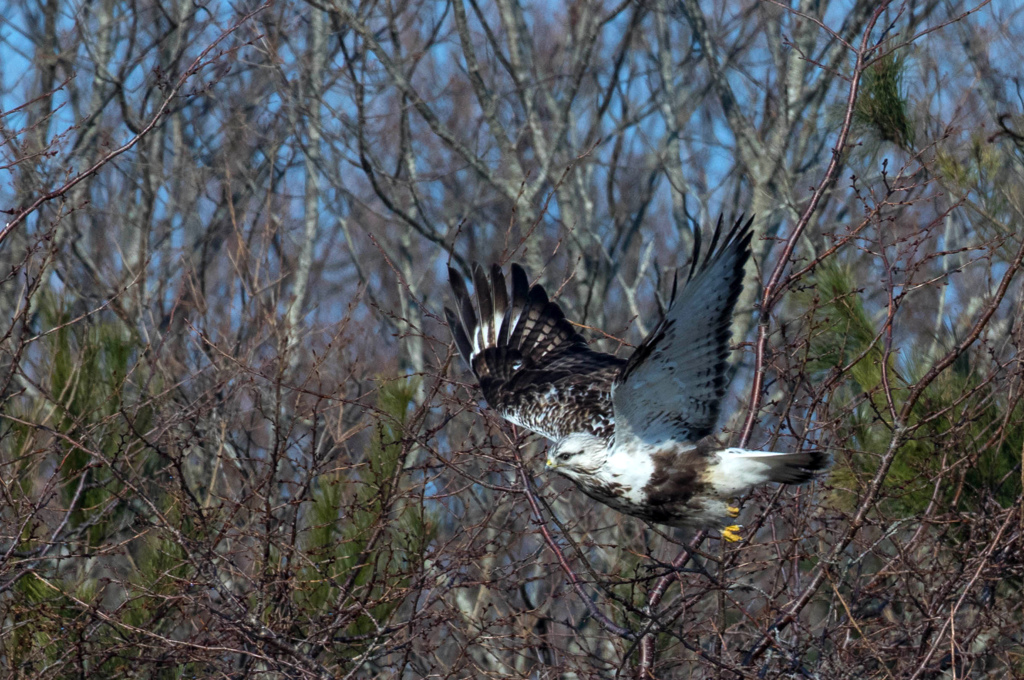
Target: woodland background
[[234, 439]]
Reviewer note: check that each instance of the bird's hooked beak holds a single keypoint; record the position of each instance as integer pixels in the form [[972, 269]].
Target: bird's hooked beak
[[550, 463]]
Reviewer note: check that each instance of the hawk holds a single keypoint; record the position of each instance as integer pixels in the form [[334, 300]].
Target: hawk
[[632, 433]]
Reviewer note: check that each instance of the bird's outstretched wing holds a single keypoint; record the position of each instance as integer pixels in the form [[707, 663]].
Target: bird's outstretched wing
[[672, 385], [534, 369]]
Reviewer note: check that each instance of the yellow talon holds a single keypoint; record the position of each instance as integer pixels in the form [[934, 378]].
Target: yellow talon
[[732, 533], [731, 511]]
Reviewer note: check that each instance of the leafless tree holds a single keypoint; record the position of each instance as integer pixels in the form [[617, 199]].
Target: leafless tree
[[235, 439]]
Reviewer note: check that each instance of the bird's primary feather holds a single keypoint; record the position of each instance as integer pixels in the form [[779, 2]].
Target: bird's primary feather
[[672, 386], [536, 370]]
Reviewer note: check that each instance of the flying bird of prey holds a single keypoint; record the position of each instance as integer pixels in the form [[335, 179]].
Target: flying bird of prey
[[632, 433]]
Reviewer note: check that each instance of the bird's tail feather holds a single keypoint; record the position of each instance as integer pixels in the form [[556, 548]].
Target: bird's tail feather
[[795, 468], [740, 469]]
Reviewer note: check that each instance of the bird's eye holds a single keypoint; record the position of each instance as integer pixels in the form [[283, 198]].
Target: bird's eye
[[564, 455]]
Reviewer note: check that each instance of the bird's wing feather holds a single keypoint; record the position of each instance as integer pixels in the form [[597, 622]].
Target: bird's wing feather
[[534, 369], [672, 385]]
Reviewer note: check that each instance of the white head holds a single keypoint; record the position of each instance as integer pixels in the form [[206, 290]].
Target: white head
[[578, 454]]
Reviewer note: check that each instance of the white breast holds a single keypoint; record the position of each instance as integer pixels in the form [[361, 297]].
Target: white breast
[[632, 467]]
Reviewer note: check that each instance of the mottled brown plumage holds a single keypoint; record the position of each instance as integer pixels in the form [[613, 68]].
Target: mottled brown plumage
[[630, 433], [535, 369]]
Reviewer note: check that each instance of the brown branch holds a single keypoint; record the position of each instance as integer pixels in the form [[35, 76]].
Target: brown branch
[[772, 291], [900, 434], [982, 563], [769, 297], [570, 573], [196, 66]]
